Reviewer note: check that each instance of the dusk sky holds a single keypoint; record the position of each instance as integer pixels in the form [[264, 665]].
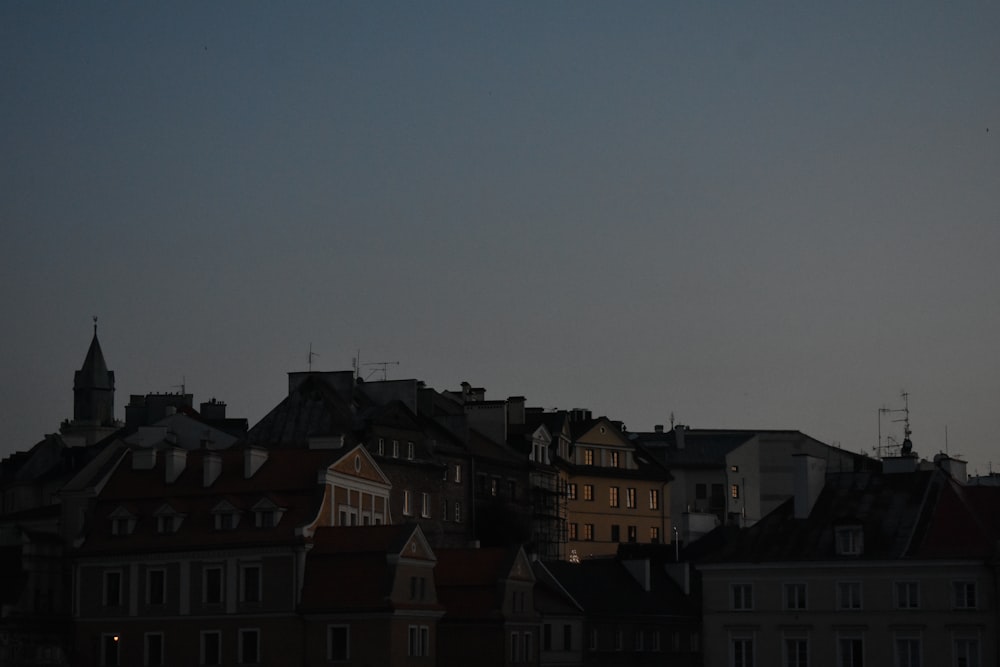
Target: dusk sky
[[750, 215]]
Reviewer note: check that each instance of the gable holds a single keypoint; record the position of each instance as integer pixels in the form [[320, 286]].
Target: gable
[[359, 463], [520, 569], [416, 547], [604, 433]]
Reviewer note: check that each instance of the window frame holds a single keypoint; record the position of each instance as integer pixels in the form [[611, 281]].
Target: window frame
[[741, 596], [240, 645], [162, 572], [146, 657], [964, 595], [614, 501], [906, 594], [205, 570], [106, 577], [329, 642], [257, 596], [795, 596], [203, 658], [847, 591]]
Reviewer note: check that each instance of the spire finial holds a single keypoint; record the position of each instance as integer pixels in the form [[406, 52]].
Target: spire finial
[[95, 325]]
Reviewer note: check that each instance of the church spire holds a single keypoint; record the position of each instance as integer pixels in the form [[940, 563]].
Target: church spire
[[94, 388]]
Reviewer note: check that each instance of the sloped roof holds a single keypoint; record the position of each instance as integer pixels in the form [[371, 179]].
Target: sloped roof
[[965, 523], [349, 569], [893, 510], [311, 409], [94, 373], [468, 580], [702, 448], [603, 587], [288, 478]]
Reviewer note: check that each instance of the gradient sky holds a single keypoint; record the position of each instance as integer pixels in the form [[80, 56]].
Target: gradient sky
[[750, 215]]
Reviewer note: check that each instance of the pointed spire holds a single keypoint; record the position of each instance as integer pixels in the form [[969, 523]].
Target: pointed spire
[[94, 387]]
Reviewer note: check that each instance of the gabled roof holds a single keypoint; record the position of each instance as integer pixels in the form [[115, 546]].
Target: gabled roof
[[353, 568], [468, 579]]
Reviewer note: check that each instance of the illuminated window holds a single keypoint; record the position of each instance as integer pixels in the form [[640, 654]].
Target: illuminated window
[[588, 457], [588, 532], [734, 490], [654, 499], [588, 491], [630, 498], [571, 491], [613, 496], [613, 459]]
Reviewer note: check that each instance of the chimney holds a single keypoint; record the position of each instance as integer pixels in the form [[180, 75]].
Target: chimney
[[954, 467], [658, 428], [253, 459], [211, 469], [213, 410], [679, 435], [143, 459], [175, 460], [810, 475], [515, 410]]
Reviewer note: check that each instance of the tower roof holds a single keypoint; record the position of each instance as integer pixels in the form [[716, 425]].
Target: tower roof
[[94, 373]]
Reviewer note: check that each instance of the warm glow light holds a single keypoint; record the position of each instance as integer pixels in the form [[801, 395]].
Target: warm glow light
[[115, 638]]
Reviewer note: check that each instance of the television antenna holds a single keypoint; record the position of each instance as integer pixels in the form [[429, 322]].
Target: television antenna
[[310, 356], [378, 366], [892, 447]]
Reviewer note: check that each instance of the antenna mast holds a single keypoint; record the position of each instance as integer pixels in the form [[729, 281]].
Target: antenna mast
[[310, 357], [892, 446]]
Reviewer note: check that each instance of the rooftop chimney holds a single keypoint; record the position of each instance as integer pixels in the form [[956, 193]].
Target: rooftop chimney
[[143, 459], [955, 468], [175, 461], [253, 459], [658, 428], [211, 469], [679, 435], [810, 475]]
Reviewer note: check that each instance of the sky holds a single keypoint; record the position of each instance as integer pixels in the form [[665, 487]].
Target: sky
[[767, 215]]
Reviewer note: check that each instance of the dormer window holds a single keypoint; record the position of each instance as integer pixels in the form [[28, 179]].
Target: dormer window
[[849, 540], [168, 520], [122, 522], [226, 516], [409, 450], [267, 514]]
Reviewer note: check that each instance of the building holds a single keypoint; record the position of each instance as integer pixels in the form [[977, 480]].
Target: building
[[860, 568]]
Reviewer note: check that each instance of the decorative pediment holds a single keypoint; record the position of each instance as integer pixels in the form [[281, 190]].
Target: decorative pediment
[[416, 547], [521, 567], [122, 521], [359, 463]]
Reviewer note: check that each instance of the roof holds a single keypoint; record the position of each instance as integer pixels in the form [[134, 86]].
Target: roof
[[288, 478], [311, 409], [468, 580], [352, 569], [94, 374], [918, 515], [701, 447], [604, 587]]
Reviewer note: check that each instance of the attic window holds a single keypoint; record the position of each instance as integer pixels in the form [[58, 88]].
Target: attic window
[[122, 522], [849, 540], [267, 514], [225, 516], [167, 520]]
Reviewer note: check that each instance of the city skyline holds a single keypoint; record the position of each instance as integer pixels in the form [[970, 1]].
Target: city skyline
[[748, 217]]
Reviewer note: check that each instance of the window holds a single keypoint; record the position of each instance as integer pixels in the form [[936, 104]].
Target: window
[[741, 651], [795, 596], [701, 491], [458, 473], [511, 489], [572, 531], [226, 520], [109, 650], [619, 643], [526, 645], [425, 505], [267, 516], [734, 490], [742, 597], [250, 583], [907, 595], [849, 595], [588, 491], [211, 647], [409, 450], [630, 498], [965, 594], [152, 649], [539, 452], [547, 637], [796, 652], [906, 651], [494, 487], [567, 637], [637, 640], [167, 523], [592, 644], [112, 589], [249, 646], [588, 457], [849, 540], [613, 496], [155, 586], [588, 532], [717, 499], [613, 459], [381, 447], [418, 588], [515, 647], [337, 643], [615, 533], [122, 525], [656, 641], [407, 503], [571, 491], [633, 534], [654, 499], [654, 534], [966, 651], [458, 511], [395, 449], [850, 651], [419, 641], [211, 582]]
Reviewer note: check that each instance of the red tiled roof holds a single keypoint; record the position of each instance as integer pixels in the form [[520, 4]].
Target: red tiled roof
[[289, 478]]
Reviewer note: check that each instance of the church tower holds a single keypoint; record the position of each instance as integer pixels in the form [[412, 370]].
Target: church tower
[[93, 398]]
